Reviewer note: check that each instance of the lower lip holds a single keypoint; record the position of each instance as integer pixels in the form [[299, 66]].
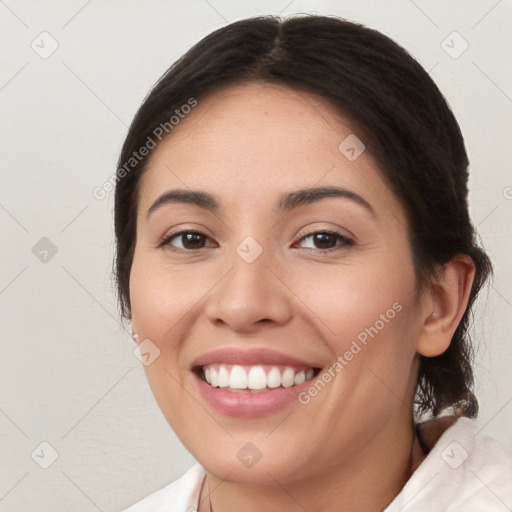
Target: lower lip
[[247, 404]]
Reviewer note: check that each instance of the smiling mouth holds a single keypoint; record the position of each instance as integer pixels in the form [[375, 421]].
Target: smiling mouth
[[254, 378]]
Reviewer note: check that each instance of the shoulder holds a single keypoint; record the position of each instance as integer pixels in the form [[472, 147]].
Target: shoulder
[[182, 494], [465, 470]]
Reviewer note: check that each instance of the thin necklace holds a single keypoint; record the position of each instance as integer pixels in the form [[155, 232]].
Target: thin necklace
[[209, 495]]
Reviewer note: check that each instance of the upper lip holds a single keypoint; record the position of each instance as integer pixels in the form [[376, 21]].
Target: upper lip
[[231, 355]]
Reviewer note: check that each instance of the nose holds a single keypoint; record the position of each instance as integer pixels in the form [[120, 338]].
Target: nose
[[251, 296]]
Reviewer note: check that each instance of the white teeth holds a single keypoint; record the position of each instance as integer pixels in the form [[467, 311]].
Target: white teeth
[[238, 378], [214, 378], [300, 378], [223, 377], [256, 378], [288, 378], [274, 378]]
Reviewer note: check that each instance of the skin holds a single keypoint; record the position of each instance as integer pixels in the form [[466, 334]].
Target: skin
[[248, 144]]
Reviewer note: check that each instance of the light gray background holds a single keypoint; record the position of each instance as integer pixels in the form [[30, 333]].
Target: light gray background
[[68, 376]]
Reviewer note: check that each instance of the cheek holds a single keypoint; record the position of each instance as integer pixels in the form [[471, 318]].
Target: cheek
[[160, 294], [368, 315], [352, 299], [160, 302]]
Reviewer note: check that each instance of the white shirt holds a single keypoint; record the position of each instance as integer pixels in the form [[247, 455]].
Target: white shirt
[[466, 471]]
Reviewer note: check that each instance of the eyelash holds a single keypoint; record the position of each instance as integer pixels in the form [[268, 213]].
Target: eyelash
[[346, 242]]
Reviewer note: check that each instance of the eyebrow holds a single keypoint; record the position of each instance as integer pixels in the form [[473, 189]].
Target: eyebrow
[[287, 202]]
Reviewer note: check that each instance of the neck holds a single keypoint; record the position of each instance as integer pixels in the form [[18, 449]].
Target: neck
[[367, 482]]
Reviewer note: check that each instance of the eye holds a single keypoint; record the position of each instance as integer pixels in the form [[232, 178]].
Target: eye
[[185, 240], [319, 241], [326, 241]]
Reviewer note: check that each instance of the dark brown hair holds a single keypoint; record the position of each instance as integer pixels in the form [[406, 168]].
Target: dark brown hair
[[406, 125]]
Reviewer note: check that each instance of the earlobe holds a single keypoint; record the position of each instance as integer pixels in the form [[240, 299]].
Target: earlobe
[[446, 304], [135, 336]]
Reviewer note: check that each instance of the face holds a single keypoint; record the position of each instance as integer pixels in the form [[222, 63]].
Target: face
[[308, 298]]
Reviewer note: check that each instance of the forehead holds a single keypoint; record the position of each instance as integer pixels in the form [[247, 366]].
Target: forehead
[[257, 138]]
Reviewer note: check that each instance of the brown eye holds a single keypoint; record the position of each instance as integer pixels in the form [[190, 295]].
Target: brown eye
[[325, 241], [185, 240]]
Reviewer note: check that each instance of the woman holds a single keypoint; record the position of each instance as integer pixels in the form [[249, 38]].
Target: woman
[[295, 255]]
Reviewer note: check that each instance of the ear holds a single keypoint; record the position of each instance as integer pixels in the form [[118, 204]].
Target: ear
[[444, 305]]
